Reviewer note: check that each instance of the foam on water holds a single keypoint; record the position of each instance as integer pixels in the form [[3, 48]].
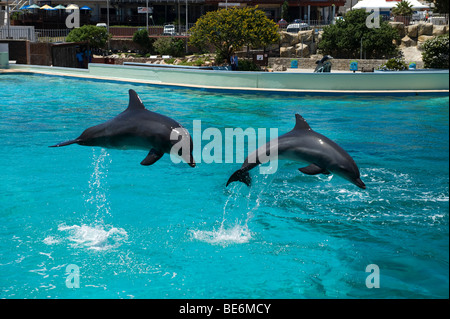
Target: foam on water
[[237, 234], [99, 237]]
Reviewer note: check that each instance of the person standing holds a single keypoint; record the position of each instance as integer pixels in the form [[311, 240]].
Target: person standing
[[234, 62], [80, 58]]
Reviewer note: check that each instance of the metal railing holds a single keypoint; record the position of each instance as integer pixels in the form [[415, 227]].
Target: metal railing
[[52, 35], [153, 30], [18, 33]]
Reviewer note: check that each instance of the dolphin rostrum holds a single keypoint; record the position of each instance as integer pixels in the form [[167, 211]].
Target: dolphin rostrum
[[302, 144], [139, 128]]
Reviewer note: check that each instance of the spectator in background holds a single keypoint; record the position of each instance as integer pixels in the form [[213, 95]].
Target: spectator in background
[[234, 62], [80, 58], [88, 55]]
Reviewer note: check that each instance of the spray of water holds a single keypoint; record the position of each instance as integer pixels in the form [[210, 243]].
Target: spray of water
[[97, 201], [93, 233], [236, 231]]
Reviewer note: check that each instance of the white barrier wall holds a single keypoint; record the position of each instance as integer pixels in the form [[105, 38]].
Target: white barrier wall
[[4, 56]]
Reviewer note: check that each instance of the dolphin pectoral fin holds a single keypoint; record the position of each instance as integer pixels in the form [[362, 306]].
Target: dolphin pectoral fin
[[152, 157], [241, 176], [313, 169]]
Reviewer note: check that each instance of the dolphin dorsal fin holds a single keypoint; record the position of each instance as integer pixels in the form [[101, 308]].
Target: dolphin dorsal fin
[[135, 101], [300, 123]]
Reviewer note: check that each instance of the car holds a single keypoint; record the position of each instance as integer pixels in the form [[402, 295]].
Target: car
[[101, 25], [169, 29], [296, 27]]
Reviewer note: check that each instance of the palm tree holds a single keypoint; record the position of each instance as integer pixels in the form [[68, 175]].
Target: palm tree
[[403, 12]]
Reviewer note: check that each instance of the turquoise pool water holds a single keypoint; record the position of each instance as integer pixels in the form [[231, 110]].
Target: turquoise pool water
[[172, 231]]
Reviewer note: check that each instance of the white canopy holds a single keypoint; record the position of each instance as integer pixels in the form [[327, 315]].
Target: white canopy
[[387, 4], [72, 7]]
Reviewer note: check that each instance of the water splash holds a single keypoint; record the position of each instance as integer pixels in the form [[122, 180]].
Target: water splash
[[99, 237], [238, 232], [97, 198], [95, 234]]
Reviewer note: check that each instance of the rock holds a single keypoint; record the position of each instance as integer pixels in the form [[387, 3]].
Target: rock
[[400, 26], [423, 38], [306, 36], [286, 52], [302, 50], [439, 30], [408, 42], [319, 36], [288, 39], [279, 68], [411, 31], [424, 29]]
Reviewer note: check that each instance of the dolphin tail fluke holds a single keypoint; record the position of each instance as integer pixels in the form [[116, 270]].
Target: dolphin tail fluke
[[66, 143], [241, 176]]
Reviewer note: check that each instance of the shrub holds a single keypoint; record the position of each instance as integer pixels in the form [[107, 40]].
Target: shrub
[[95, 36], [247, 65], [343, 40], [141, 38], [395, 64], [435, 54], [169, 46]]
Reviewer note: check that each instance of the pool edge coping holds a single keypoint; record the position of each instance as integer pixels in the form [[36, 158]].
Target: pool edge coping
[[84, 74]]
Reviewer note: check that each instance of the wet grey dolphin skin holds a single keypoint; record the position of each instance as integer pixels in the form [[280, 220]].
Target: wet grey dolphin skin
[[138, 128], [302, 144]]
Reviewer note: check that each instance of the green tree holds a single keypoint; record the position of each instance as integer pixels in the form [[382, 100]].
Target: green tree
[[229, 30], [343, 40], [141, 38], [169, 46], [95, 36], [284, 11], [435, 52], [441, 6], [403, 8]]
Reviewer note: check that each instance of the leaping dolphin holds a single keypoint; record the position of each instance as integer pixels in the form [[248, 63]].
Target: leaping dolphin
[[302, 144], [138, 128]]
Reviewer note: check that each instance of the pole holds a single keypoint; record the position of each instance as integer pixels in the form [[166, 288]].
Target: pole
[[334, 12], [7, 18], [179, 18], [146, 14], [360, 53], [309, 14], [186, 26], [107, 23]]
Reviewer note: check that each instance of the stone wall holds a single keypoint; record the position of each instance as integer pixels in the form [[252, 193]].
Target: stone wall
[[301, 44], [417, 34]]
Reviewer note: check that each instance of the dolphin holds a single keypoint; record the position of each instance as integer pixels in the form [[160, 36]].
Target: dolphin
[[302, 144], [139, 128]]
